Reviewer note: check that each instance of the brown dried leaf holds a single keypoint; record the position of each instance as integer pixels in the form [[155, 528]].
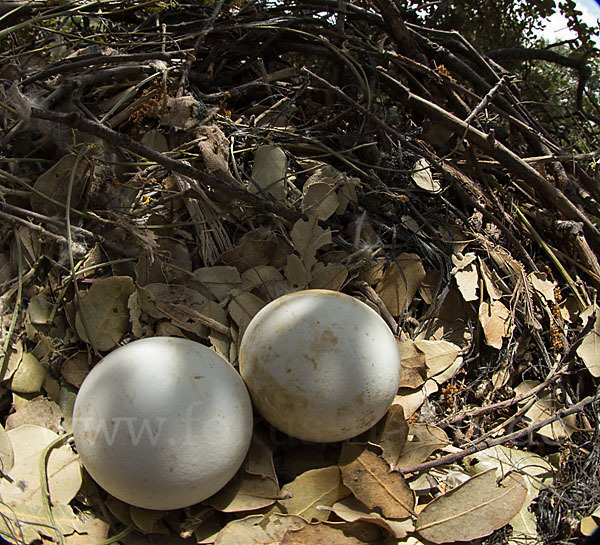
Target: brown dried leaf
[[219, 280], [39, 412], [423, 178], [495, 320], [29, 376], [423, 440], [543, 286], [392, 432], [411, 401], [257, 529], [54, 183], [314, 488], [243, 308], [473, 509], [346, 533], [414, 370], [352, 510], [258, 247], [39, 310], [466, 275], [23, 483], [319, 198], [308, 237], [27, 522], [269, 171], [214, 147], [369, 478], [439, 355], [7, 456], [148, 520], [171, 302], [489, 279], [245, 492], [102, 315], [75, 369], [254, 487], [266, 281], [296, 273], [589, 349], [398, 286], [328, 277]]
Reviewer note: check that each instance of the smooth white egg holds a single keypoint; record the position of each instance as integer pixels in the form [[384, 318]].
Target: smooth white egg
[[320, 365], [162, 423]]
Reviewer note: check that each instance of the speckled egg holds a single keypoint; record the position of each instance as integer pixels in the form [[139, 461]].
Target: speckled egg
[[162, 423], [320, 365]]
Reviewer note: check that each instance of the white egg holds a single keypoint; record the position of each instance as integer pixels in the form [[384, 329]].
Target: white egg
[[320, 365], [162, 423]]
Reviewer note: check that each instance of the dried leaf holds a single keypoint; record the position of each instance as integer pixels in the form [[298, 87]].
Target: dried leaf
[[147, 520], [179, 112], [411, 401], [370, 479], [245, 492], [254, 487], [102, 315], [439, 355], [296, 273], [423, 178], [398, 286], [91, 531], [54, 184], [308, 237], [536, 471], [319, 198], [352, 510], [489, 279], [64, 472], [39, 310], [219, 280], [346, 533], [266, 281], [546, 406], [75, 369], [329, 277], [414, 370], [173, 302], [258, 247], [243, 308], [589, 349], [257, 529], [392, 432], [495, 320], [314, 488], [39, 412], [269, 171], [29, 376], [466, 275], [423, 440], [7, 456], [473, 509], [24, 522], [543, 286]]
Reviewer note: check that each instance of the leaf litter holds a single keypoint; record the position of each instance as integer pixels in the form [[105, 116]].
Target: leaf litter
[[258, 190]]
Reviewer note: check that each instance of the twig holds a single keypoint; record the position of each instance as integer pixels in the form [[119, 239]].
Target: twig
[[452, 458], [76, 121]]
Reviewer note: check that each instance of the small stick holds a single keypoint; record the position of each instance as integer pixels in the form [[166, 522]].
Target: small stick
[[451, 458]]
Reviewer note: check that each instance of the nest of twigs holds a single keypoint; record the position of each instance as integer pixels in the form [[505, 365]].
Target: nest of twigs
[[264, 148]]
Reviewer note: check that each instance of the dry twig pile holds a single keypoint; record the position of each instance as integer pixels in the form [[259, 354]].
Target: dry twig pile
[[169, 172]]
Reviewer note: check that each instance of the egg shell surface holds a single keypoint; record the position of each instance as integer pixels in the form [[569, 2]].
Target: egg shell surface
[[162, 423], [320, 365]]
